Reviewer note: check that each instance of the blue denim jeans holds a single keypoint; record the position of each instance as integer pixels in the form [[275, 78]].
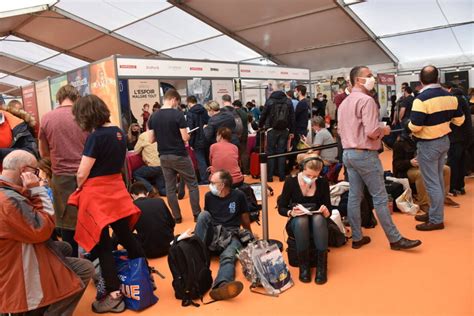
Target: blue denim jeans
[[364, 167], [304, 227], [173, 165], [202, 165], [431, 157], [148, 175], [205, 230], [277, 141]]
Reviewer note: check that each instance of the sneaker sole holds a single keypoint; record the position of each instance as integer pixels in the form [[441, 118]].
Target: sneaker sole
[[117, 309], [228, 291]]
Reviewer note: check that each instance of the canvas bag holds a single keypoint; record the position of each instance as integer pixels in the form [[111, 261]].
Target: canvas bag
[[405, 203]]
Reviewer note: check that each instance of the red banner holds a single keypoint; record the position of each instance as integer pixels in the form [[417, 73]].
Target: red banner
[[384, 79], [29, 103]]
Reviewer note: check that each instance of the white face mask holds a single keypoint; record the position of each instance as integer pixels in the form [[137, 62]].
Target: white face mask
[[295, 94], [369, 83], [307, 180], [321, 99], [214, 189]]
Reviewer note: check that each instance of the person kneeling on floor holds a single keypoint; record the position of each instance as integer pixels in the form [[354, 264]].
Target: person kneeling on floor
[[36, 276], [155, 227], [225, 209]]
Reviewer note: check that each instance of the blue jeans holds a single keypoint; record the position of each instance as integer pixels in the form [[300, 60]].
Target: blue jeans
[[277, 141], [205, 231], [148, 175], [173, 165], [431, 158], [364, 167], [201, 154], [305, 226]]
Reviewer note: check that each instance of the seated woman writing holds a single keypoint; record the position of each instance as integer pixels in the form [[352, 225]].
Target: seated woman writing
[[225, 156], [305, 201]]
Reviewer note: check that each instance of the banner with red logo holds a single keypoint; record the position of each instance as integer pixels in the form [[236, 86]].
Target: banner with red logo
[[388, 80], [29, 103]]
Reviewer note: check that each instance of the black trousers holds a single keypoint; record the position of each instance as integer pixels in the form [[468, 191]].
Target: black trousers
[[456, 161], [104, 249]]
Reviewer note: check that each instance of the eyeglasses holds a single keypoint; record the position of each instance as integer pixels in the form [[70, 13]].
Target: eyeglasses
[[36, 170]]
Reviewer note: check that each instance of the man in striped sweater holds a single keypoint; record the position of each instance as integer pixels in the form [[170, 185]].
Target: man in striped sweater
[[433, 110]]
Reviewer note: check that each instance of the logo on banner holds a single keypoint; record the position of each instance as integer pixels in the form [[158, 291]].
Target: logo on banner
[[245, 70], [128, 66], [195, 68], [214, 69]]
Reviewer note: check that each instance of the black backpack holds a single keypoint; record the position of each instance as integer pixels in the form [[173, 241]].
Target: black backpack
[[252, 203], [189, 262], [335, 237], [280, 115]]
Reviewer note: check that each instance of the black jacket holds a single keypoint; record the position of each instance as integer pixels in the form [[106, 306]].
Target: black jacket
[[266, 117], [404, 150], [463, 133], [302, 117], [197, 117], [22, 139], [221, 119]]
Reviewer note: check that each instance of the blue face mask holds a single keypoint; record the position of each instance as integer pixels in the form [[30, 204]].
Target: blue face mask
[[214, 189], [307, 180]]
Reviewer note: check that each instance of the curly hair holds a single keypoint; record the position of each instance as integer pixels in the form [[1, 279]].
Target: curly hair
[[90, 112]]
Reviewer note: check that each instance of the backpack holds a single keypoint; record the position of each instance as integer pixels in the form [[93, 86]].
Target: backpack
[[336, 238], [239, 127], [189, 262], [253, 206], [279, 115]]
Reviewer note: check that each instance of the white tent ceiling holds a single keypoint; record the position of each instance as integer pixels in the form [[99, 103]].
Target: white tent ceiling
[[40, 38]]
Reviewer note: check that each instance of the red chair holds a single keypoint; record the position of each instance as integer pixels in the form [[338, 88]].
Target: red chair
[[133, 161]]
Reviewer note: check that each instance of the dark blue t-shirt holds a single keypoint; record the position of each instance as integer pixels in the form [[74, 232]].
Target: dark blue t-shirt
[[108, 145], [166, 123], [226, 211]]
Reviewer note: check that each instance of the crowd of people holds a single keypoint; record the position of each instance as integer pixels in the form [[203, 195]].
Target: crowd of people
[[82, 154]]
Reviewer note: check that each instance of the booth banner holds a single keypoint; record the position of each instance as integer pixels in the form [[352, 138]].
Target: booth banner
[[388, 80], [201, 89], [29, 103], [131, 67], [221, 87], [258, 95], [43, 97], [79, 79], [54, 85], [104, 85], [382, 94], [141, 92], [270, 72]]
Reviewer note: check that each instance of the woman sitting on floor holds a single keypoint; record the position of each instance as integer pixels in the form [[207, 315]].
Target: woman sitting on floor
[[305, 201]]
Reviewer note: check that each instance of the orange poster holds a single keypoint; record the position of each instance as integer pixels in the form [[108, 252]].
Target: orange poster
[[103, 84]]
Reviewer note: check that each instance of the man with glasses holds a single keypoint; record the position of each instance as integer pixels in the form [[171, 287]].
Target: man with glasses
[[225, 209], [36, 276], [361, 134]]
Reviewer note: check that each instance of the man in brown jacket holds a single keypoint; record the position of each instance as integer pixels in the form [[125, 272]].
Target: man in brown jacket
[[34, 273]]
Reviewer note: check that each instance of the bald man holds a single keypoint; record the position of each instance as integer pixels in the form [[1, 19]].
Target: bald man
[[36, 276]]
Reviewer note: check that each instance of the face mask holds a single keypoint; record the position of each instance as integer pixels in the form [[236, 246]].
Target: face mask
[[307, 180], [321, 99], [135, 133], [295, 94], [346, 91], [214, 189], [369, 83]]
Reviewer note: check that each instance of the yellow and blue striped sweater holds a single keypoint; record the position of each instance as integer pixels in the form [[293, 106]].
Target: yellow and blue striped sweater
[[432, 112]]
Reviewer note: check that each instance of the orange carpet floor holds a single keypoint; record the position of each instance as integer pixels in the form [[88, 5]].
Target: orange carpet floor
[[434, 279]]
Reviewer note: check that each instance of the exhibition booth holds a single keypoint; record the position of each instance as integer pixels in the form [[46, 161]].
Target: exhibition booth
[[127, 83]]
